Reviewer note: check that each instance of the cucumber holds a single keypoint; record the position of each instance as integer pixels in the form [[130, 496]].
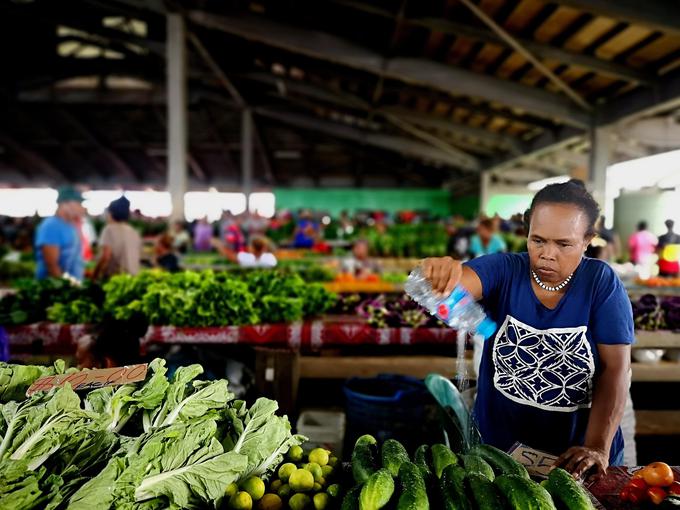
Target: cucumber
[[420, 459], [484, 492], [377, 491], [670, 503], [452, 484], [476, 464], [413, 490], [393, 455], [364, 458], [571, 494], [351, 499], [500, 461], [524, 494], [442, 457]]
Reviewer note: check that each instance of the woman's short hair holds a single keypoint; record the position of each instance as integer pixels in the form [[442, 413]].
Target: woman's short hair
[[571, 192]]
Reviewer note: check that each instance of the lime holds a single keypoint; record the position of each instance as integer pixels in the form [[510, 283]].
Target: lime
[[231, 489], [275, 485], [241, 501], [254, 486], [326, 471], [317, 487], [295, 453], [334, 490], [301, 481], [284, 491], [270, 502], [321, 481], [286, 470], [315, 469], [299, 502], [320, 501], [319, 455], [332, 460]]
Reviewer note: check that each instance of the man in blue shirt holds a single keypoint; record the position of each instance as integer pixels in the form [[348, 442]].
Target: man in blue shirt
[[57, 240]]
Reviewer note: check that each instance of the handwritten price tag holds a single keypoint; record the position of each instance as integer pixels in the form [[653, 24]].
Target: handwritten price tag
[[91, 379], [538, 463]]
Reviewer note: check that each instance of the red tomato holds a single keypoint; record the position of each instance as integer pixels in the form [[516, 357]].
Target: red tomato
[[656, 495], [624, 495], [638, 483], [674, 489], [637, 496], [658, 474]]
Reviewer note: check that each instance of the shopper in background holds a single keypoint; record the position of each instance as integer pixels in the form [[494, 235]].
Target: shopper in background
[[259, 254], [359, 264], [181, 238], [669, 251], [612, 250], [203, 234], [306, 231], [120, 244], [57, 240], [164, 255], [486, 241], [233, 237], [641, 244]]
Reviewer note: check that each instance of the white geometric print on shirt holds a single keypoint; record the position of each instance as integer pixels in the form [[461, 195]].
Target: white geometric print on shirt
[[551, 369]]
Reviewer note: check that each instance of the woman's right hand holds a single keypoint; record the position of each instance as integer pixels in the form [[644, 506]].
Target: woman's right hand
[[444, 273]]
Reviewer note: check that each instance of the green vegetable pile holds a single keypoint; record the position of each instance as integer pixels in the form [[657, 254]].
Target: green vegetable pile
[[163, 443], [484, 478], [190, 298]]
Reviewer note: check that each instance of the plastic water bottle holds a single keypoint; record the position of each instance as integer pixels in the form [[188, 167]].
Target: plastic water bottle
[[458, 310]]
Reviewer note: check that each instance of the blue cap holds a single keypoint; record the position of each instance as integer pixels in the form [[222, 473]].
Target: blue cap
[[486, 328]]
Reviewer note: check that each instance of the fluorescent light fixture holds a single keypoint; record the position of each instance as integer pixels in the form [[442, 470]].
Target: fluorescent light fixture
[[540, 184], [262, 203], [199, 204]]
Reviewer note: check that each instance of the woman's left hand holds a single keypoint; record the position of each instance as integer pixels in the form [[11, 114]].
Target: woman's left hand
[[578, 460]]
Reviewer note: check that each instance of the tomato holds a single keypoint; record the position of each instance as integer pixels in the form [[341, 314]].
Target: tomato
[[637, 496], [658, 474], [656, 495], [674, 489], [639, 483], [624, 495]]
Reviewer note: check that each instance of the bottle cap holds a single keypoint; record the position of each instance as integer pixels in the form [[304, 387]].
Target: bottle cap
[[486, 328]]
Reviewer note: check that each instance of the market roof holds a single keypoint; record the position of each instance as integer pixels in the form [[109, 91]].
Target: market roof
[[345, 92]]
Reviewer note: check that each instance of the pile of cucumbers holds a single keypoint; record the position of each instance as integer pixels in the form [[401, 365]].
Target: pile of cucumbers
[[485, 478]]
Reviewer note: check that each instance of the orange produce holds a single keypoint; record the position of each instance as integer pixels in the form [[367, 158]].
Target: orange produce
[[658, 474]]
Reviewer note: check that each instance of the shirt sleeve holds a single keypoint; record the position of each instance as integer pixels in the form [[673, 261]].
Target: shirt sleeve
[[611, 320], [105, 237], [492, 270], [48, 235]]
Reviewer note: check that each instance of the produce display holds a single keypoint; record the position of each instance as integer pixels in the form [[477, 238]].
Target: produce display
[[655, 484], [652, 313], [189, 298], [11, 270], [659, 281], [176, 442], [484, 478], [416, 240], [387, 311]]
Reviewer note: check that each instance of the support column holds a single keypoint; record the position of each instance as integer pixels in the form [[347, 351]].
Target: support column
[[247, 154], [484, 183], [600, 155], [176, 87]]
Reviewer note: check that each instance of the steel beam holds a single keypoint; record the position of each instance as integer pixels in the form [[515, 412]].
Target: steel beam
[[391, 143], [422, 72]]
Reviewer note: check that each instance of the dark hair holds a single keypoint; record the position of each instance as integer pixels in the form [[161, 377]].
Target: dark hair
[[487, 223], [642, 226], [571, 192], [119, 341], [669, 224]]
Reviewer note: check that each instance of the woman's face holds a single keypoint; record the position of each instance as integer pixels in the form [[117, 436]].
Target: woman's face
[[557, 240]]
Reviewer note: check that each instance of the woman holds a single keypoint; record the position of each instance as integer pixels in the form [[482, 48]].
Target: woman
[[556, 374], [259, 255], [121, 245], [486, 241], [642, 244]]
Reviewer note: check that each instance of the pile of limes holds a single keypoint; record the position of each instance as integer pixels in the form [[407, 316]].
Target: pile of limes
[[304, 483]]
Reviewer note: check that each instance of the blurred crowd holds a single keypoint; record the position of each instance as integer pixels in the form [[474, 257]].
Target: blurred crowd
[[68, 242]]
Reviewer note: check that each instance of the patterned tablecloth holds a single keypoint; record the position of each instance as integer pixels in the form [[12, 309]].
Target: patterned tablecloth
[[304, 335]]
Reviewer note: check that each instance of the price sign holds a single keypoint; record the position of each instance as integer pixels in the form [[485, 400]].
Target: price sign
[[538, 463], [91, 379]]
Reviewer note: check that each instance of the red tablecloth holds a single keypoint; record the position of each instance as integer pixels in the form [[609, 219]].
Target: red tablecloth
[[307, 335]]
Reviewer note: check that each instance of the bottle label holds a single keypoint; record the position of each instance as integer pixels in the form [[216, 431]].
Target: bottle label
[[453, 304]]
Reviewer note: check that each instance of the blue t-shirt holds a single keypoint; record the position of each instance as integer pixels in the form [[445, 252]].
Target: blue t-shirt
[[536, 375], [496, 245], [54, 231]]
